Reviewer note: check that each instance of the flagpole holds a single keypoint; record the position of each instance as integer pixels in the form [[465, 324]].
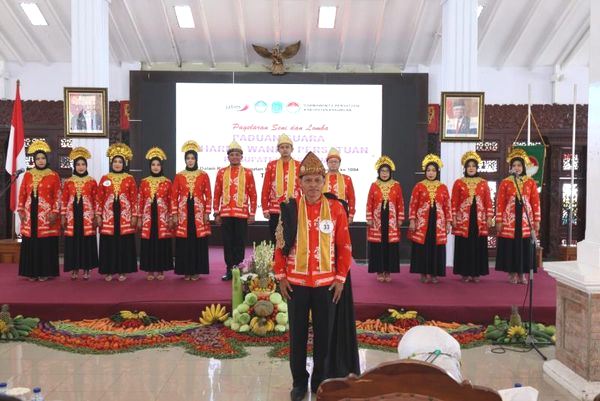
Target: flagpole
[[14, 219], [528, 114]]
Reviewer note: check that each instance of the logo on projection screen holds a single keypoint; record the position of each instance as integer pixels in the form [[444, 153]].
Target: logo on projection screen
[[260, 106], [293, 107], [277, 107]]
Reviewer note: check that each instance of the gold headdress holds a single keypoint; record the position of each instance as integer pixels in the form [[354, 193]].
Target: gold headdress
[[518, 152], [385, 160], [283, 139], [311, 164], [431, 158], [334, 153], [119, 149], [234, 146], [157, 153], [78, 152], [190, 145], [37, 146], [470, 155]]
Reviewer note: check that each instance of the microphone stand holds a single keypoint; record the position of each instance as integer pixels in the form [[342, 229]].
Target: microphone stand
[[530, 340], [13, 178]]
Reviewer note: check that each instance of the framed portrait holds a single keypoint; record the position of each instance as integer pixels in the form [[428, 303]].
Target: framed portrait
[[461, 116], [86, 112]]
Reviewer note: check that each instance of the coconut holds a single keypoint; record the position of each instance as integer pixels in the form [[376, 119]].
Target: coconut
[[244, 329], [280, 328], [243, 308], [263, 308]]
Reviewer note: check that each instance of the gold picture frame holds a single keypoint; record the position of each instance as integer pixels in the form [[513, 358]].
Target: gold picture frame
[[462, 116], [86, 112]]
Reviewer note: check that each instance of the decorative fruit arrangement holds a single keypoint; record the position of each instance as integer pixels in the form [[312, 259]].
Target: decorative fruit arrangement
[[128, 319], [260, 314], [15, 328], [503, 331], [213, 314], [411, 314]]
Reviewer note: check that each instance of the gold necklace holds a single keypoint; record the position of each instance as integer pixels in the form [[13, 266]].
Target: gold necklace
[[190, 177], [472, 183], [385, 187], [116, 179], [37, 176], [519, 184], [79, 182], [153, 183], [432, 187]]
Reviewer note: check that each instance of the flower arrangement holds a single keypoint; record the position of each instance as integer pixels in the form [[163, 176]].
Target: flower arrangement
[[257, 274]]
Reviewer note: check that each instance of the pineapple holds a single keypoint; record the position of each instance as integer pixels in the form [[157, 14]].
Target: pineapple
[[5, 314], [515, 318]]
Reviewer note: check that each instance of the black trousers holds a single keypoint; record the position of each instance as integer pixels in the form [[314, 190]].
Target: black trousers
[[273, 221], [319, 300], [235, 231]]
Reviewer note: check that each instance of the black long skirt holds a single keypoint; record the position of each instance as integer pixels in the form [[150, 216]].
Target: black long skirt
[[81, 251], [429, 258], [342, 358], [384, 256], [471, 253], [191, 253], [38, 256], [516, 255], [117, 252], [156, 254]]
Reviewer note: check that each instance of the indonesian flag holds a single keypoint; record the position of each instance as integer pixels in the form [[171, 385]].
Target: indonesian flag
[[15, 154]]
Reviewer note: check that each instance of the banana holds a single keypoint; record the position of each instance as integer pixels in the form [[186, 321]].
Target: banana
[[204, 322], [254, 322]]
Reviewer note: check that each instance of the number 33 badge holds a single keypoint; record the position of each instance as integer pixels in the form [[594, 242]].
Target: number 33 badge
[[326, 226]]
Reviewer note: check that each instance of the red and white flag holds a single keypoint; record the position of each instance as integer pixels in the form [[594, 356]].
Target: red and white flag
[[15, 154]]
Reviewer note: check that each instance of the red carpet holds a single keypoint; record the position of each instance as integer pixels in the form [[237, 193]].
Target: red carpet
[[173, 298]]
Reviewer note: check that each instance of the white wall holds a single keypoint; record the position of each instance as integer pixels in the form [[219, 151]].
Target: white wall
[[509, 85], [506, 86], [46, 82]]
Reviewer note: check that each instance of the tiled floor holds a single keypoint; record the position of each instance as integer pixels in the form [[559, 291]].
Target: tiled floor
[[169, 375]]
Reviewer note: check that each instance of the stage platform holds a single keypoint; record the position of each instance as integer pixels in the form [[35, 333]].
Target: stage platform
[[174, 298]]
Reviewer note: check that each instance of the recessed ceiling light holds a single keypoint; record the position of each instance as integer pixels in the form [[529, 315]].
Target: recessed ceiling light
[[327, 17], [479, 10], [34, 14], [184, 17]]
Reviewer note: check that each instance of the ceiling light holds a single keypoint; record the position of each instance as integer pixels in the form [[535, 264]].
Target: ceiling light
[[479, 10], [327, 17], [184, 17], [34, 14]]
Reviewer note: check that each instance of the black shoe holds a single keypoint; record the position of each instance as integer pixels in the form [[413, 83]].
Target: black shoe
[[298, 393], [227, 277]]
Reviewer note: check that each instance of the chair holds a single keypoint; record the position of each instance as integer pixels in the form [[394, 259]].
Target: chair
[[403, 380]]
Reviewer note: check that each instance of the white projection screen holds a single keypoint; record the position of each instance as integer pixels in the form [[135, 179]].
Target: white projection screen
[[316, 117]]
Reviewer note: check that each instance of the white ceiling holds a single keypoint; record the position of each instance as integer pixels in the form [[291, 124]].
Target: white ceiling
[[372, 33]]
